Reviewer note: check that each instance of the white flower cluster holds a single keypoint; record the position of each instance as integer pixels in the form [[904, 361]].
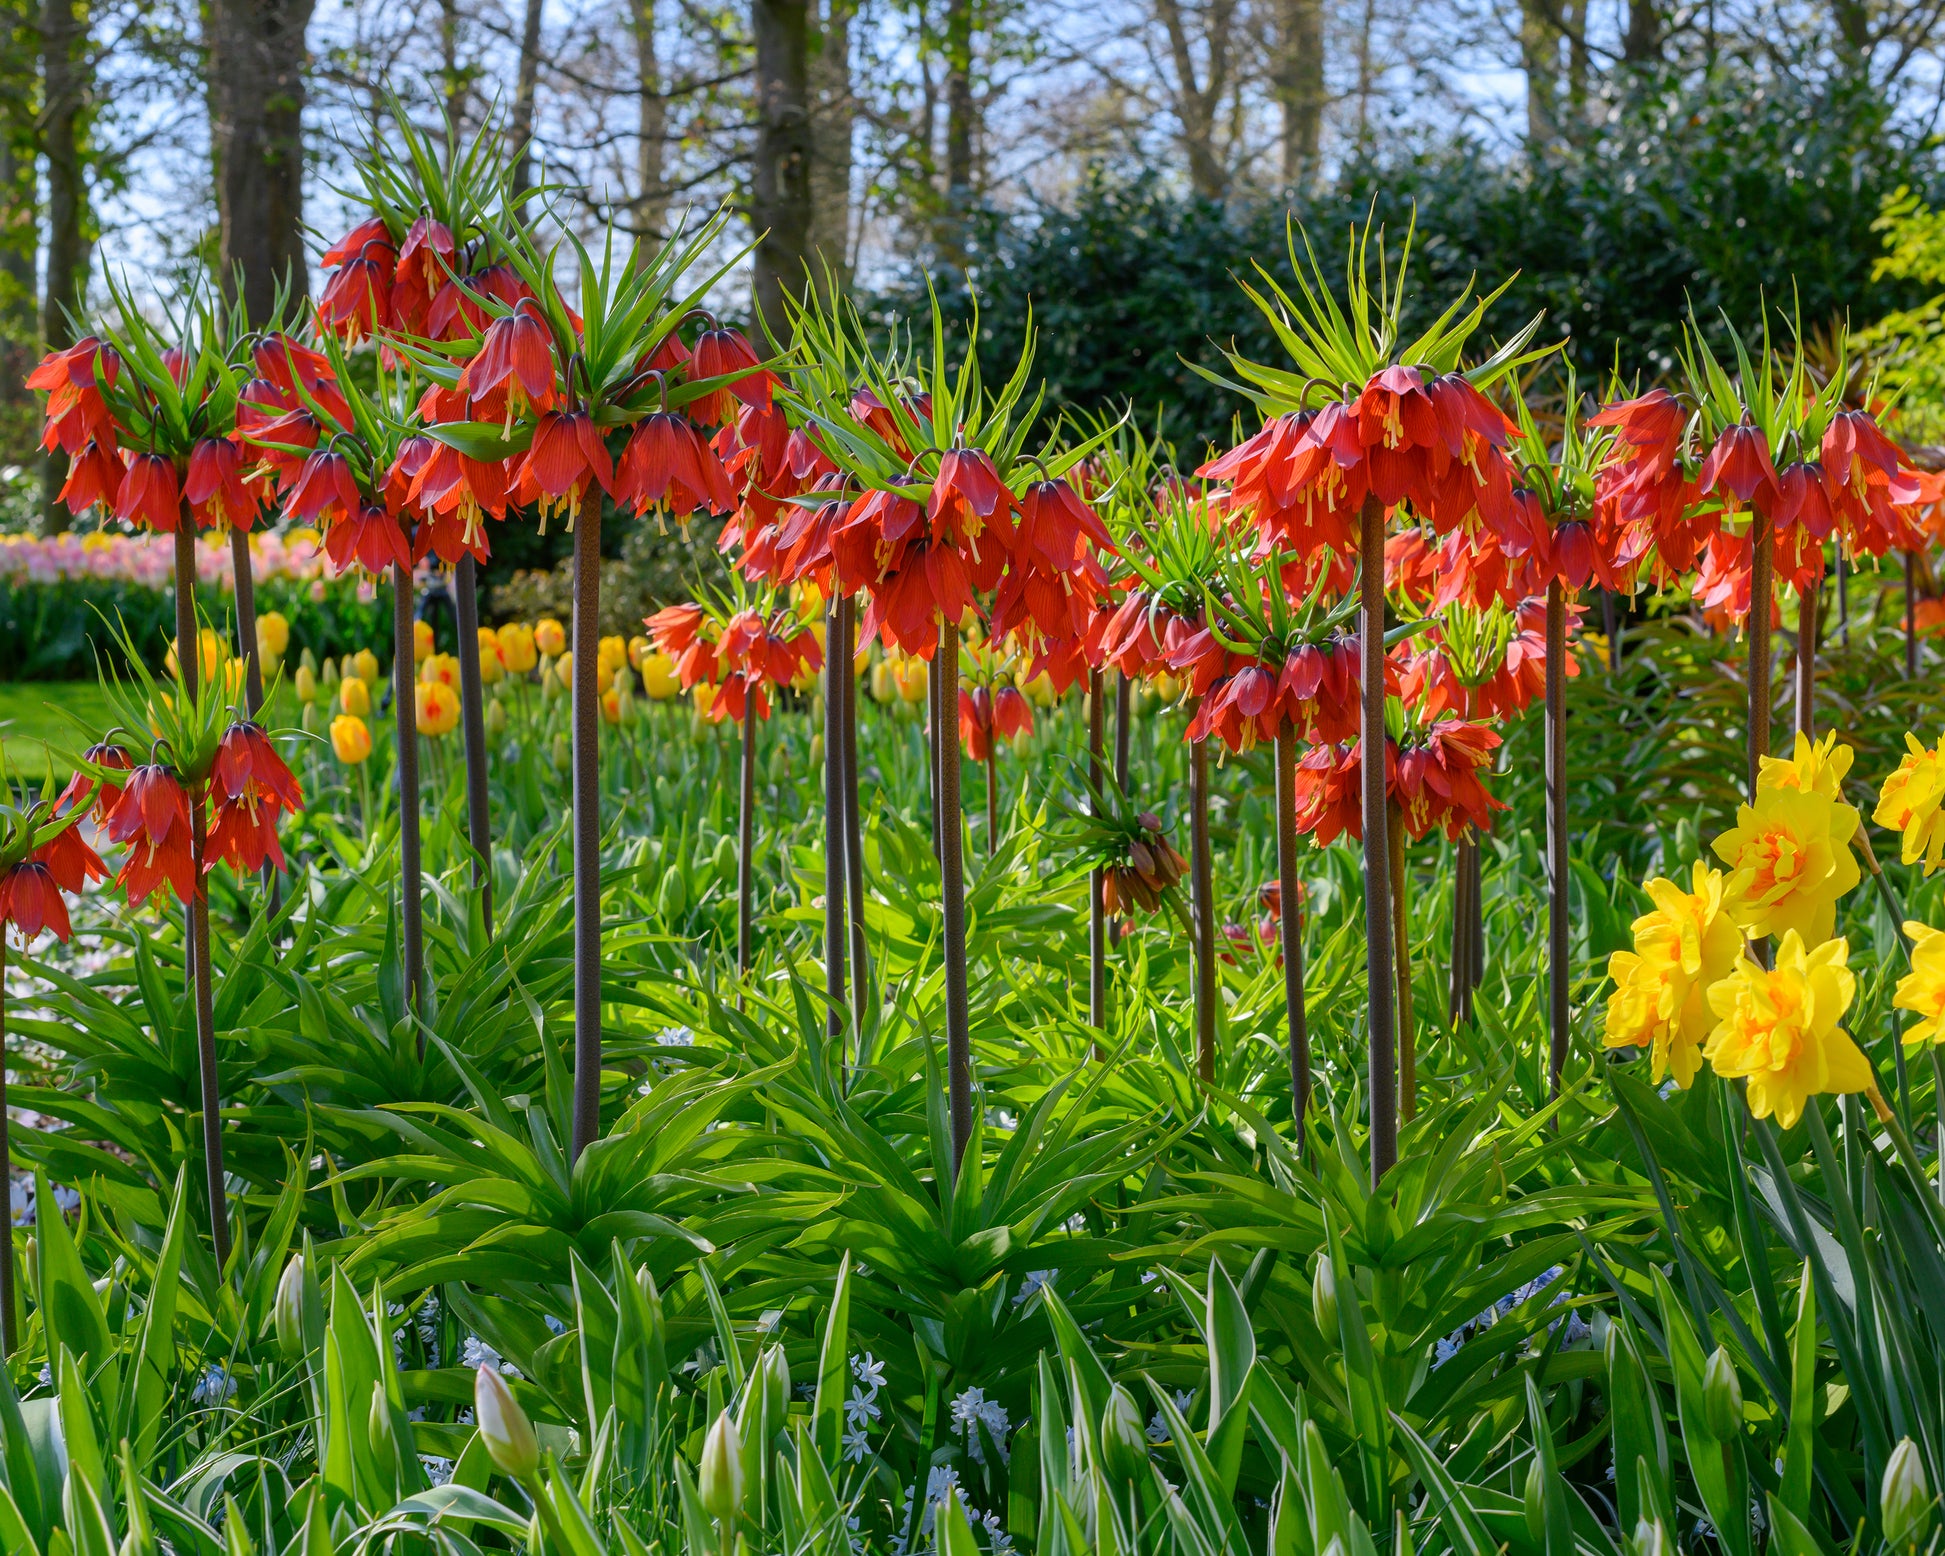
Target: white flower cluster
[[972, 1410], [942, 1479], [862, 1410]]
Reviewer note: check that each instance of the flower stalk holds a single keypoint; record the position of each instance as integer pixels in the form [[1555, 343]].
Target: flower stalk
[[952, 873], [1383, 1083], [472, 723], [587, 826], [837, 658], [1290, 927], [1558, 924], [1097, 918], [1202, 912], [1808, 622], [745, 845], [405, 716]]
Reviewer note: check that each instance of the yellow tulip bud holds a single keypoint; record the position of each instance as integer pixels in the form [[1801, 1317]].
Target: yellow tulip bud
[[350, 739], [273, 635], [354, 697], [421, 641]]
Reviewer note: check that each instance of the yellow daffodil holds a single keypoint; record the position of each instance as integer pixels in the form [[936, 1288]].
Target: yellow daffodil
[[1814, 768], [1789, 861], [1778, 1028], [518, 650], [350, 738], [1912, 803], [1660, 998], [1922, 990]]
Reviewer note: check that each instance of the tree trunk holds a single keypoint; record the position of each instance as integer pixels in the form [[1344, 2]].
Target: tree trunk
[[780, 206], [66, 93], [19, 219], [256, 121], [651, 125], [1642, 37], [1540, 36], [1297, 79], [960, 112], [526, 88], [834, 116], [1198, 104]]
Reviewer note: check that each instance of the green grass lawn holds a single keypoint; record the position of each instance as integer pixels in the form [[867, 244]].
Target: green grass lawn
[[35, 715]]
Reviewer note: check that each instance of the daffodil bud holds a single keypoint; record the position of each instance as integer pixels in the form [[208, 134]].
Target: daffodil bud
[[1535, 1499], [1124, 1443], [504, 1427], [1722, 1396], [719, 1478], [1323, 1297], [287, 1312], [1904, 1499]]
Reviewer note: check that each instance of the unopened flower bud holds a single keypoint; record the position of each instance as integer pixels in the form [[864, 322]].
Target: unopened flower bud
[[1904, 1499], [504, 1427], [719, 1478], [287, 1312], [1323, 1297], [1722, 1396], [1124, 1442], [1535, 1498]]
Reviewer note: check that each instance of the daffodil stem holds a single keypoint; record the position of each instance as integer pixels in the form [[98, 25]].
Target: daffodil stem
[[405, 722], [745, 847], [958, 1023], [1097, 921], [1203, 914], [1558, 923], [472, 714], [1921, 1180], [1383, 1084], [587, 827], [1290, 928], [837, 650], [9, 1336]]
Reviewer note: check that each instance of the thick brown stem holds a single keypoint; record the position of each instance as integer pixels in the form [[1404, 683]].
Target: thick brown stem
[[1123, 730], [1760, 574], [1203, 910], [958, 1022], [1556, 762], [1290, 895], [472, 716], [854, 828], [189, 650], [1377, 870], [587, 827], [1806, 662], [212, 1091], [243, 579], [1458, 977], [405, 723], [1843, 597], [9, 1332], [934, 723], [1097, 918], [992, 798], [1911, 615], [745, 843], [1401, 960], [837, 650]]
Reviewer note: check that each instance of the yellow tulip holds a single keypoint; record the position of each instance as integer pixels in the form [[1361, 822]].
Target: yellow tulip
[[659, 679], [364, 664], [705, 696], [305, 685], [421, 641], [613, 652], [637, 647], [549, 636], [492, 669], [912, 677], [211, 652], [443, 668], [1037, 689], [1660, 998], [438, 708], [518, 649], [350, 738], [354, 697], [1778, 1029], [273, 635]]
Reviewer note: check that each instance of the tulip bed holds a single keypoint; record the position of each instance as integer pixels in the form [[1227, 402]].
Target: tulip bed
[[941, 1042]]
